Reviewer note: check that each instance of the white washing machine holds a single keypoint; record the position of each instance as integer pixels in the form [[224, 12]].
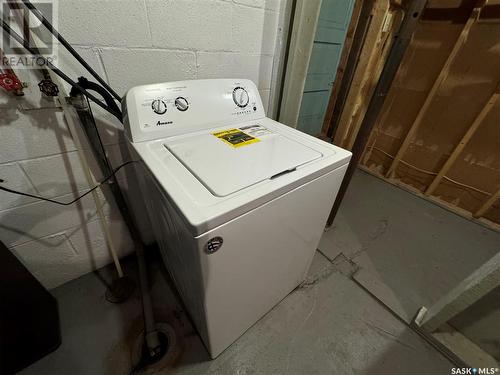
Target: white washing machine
[[237, 201]]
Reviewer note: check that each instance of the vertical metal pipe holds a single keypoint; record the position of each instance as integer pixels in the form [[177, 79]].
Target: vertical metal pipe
[[352, 63], [400, 43], [84, 113]]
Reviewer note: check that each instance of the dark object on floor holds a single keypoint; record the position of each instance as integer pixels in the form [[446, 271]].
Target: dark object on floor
[[120, 290], [29, 317]]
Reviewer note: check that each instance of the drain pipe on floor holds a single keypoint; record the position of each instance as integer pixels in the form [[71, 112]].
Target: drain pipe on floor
[[90, 181], [155, 346], [97, 200], [61, 94], [82, 107]]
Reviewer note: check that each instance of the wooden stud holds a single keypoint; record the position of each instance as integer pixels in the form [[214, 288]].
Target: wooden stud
[[487, 205], [380, 10], [477, 285], [367, 152], [443, 74], [372, 73], [342, 65], [373, 137], [463, 142], [362, 27], [399, 46]]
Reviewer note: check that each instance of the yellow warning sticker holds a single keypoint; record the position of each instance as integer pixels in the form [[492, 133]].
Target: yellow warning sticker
[[235, 137]]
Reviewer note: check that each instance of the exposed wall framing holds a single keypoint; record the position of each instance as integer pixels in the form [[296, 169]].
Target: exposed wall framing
[[438, 134], [364, 80], [356, 12]]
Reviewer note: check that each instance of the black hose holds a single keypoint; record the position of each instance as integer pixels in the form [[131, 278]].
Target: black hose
[[70, 49], [56, 70], [92, 86]]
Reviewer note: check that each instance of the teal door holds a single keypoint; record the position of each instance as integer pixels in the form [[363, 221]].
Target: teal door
[[334, 18]]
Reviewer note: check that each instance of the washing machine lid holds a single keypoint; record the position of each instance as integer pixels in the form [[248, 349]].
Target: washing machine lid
[[229, 159]]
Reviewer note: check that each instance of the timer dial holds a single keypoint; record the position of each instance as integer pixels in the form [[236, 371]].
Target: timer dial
[[240, 97], [159, 106], [181, 104]]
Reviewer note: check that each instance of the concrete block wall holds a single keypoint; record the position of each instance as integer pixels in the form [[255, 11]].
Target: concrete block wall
[[56, 243], [129, 43], [135, 42]]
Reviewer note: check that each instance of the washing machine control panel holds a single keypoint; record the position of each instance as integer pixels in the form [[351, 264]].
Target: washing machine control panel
[[173, 108]]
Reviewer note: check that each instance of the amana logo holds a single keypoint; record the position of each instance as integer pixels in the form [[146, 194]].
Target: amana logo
[[161, 123]]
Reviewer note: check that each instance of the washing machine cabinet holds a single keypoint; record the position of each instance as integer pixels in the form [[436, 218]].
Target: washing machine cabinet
[[237, 201]]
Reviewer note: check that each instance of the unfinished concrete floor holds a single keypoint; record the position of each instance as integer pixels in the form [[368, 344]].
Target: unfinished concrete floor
[[411, 252], [330, 325]]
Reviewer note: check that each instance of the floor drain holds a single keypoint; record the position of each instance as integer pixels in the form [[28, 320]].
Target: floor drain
[[170, 354]]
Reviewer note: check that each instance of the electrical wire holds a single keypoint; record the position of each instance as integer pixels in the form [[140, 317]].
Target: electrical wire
[[57, 71], [432, 173], [467, 186], [418, 169], [8, 190], [70, 49]]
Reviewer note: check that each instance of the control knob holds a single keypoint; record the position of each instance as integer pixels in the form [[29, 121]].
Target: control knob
[[159, 107], [240, 97], [181, 104]]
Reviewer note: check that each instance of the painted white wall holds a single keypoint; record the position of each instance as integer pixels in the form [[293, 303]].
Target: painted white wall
[[128, 42]]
